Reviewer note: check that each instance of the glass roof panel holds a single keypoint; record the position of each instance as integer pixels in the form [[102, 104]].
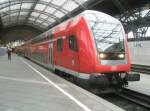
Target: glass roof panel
[[39, 21], [2, 1], [14, 14], [80, 1], [42, 26], [145, 12], [46, 0], [21, 18], [84, 0], [24, 13], [5, 20], [43, 16], [4, 9], [48, 22], [4, 5], [39, 7], [31, 19], [13, 7], [148, 32], [45, 24], [13, 20], [34, 25], [14, 17], [59, 14], [38, 24], [5, 17], [26, 5], [58, 2], [51, 20], [49, 10], [130, 34], [31, 22], [35, 14], [70, 5]]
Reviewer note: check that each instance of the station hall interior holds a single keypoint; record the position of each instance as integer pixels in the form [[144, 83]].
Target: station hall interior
[[75, 55]]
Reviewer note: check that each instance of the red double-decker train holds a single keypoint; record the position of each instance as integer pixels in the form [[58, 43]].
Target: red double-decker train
[[90, 47]]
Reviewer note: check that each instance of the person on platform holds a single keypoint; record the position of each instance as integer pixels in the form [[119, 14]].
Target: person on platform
[[9, 53]]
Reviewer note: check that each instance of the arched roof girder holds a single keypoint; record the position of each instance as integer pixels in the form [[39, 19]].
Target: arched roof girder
[[31, 23], [34, 26], [23, 16], [40, 2], [44, 12], [7, 13]]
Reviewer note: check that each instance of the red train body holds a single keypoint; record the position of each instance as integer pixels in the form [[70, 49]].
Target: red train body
[[89, 46]]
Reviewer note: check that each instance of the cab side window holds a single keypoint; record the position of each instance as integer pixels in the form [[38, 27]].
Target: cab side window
[[60, 45], [73, 43]]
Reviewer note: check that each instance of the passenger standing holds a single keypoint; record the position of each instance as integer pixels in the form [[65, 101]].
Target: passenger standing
[[9, 54]]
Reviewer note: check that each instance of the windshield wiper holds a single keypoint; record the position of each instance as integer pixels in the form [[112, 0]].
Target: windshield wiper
[[110, 33]]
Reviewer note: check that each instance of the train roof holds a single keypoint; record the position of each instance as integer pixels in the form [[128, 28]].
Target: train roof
[[103, 17]]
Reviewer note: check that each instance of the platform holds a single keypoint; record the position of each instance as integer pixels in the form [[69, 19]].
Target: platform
[[26, 86], [142, 86]]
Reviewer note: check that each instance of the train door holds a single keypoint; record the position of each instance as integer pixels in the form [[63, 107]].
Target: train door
[[50, 55]]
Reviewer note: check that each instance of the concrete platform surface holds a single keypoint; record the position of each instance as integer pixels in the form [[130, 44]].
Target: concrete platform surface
[[25, 86], [142, 86]]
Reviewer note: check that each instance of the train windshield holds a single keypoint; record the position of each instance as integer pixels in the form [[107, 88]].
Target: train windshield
[[107, 32]]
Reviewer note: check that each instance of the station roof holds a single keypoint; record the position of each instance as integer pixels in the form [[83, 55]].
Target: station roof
[[37, 13], [44, 14]]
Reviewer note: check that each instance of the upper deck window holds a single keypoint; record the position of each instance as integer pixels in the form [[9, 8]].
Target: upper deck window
[[107, 32], [73, 43], [60, 45]]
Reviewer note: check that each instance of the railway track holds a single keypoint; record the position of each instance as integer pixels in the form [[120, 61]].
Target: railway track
[[136, 97], [140, 68]]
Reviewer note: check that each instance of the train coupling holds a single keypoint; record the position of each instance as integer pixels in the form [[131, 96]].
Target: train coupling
[[132, 76]]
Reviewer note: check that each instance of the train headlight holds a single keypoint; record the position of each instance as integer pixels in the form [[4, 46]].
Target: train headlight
[[121, 56], [102, 55]]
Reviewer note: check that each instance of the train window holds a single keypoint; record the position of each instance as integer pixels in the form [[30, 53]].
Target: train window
[[51, 36], [59, 45], [73, 43]]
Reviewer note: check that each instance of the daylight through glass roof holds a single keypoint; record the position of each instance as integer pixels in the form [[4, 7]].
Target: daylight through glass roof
[[38, 13]]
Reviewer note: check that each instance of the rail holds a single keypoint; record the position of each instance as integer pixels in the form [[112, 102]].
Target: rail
[[140, 68], [136, 97]]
